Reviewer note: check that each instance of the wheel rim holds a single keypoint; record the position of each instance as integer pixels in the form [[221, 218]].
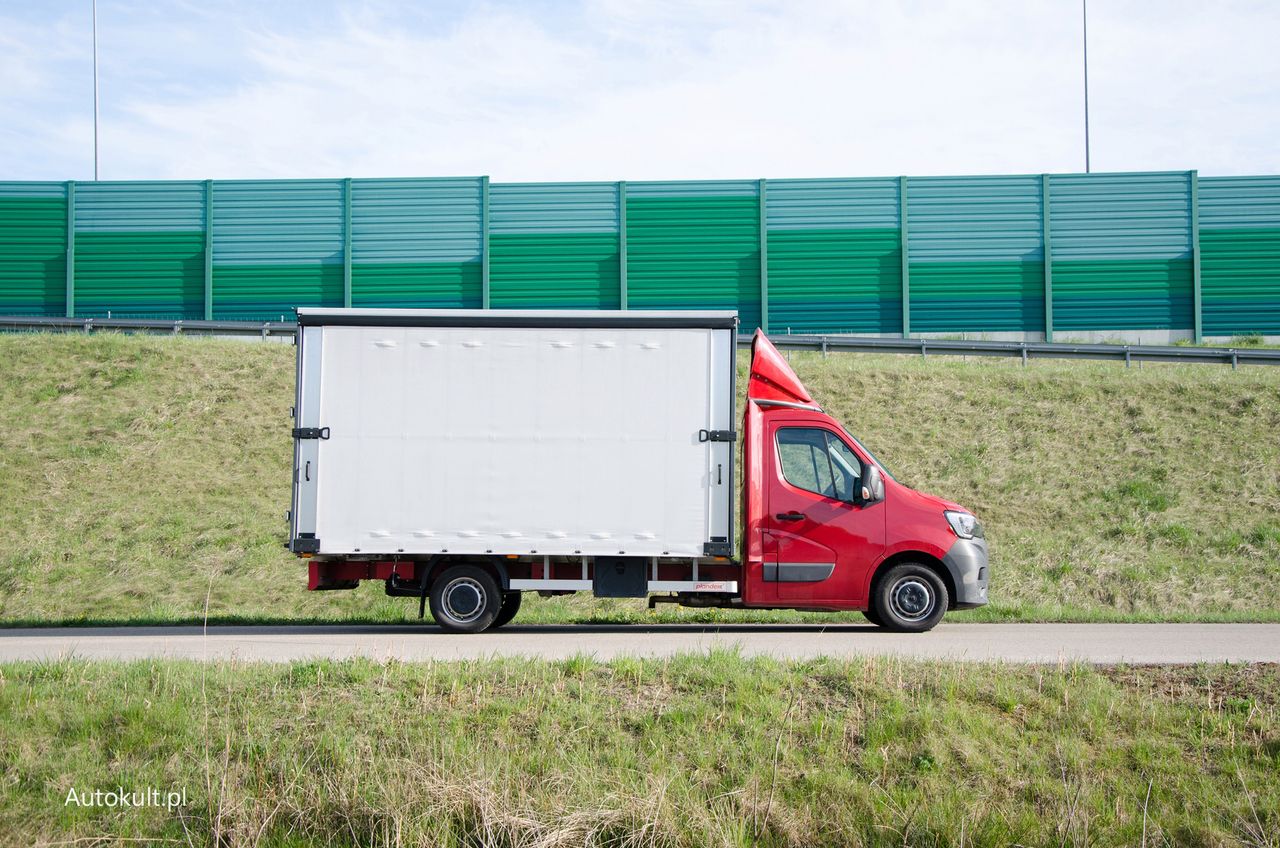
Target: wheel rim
[[463, 600], [912, 599]]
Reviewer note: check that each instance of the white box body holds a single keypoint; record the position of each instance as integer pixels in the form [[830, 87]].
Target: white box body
[[514, 432]]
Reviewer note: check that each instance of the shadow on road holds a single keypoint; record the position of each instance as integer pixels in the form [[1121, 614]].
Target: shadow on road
[[89, 632]]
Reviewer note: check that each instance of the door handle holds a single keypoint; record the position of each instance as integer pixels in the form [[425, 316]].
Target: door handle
[[790, 516]]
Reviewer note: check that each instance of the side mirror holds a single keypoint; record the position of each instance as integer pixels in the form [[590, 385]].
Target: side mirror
[[872, 486]]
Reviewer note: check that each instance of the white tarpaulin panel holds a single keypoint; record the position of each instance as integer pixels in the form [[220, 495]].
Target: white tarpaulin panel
[[519, 440]]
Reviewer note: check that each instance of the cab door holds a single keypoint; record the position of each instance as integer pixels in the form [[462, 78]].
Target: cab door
[[824, 540]]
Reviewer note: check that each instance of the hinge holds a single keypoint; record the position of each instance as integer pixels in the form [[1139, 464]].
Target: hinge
[[717, 436], [311, 432], [717, 549]]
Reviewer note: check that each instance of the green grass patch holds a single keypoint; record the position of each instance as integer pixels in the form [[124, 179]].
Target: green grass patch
[[141, 477], [687, 751]]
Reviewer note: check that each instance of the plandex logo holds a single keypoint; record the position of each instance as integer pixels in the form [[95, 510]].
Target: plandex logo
[[122, 798]]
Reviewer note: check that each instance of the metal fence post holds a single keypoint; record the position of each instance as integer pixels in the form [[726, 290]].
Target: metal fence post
[[71, 249], [484, 242], [1046, 238], [208, 250], [622, 244], [1196, 305], [764, 259], [346, 243], [906, 261]]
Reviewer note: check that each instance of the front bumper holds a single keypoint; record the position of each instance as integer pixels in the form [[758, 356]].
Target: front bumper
[[968, 563]]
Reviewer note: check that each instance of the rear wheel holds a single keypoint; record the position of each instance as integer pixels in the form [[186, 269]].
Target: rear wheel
[[510, 606], [465, 599], [910, 598]]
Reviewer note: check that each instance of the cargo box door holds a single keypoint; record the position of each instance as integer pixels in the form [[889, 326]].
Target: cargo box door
[[720, 440], [308, 434]]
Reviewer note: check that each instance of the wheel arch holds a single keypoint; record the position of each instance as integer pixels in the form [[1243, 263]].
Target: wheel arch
[[928, 560], [496, 567]]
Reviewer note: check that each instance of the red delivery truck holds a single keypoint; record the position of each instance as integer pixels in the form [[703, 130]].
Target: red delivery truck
[[463, 457]]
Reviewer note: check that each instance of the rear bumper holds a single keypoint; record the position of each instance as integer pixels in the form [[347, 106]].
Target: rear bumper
[[968, 563]]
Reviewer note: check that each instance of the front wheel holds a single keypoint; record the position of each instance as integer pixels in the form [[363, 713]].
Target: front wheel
[[910, 598], [465, 599]]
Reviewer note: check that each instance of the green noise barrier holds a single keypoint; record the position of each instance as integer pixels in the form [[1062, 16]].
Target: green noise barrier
[[1031, 254]]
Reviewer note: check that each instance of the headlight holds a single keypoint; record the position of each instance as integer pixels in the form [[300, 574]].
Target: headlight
[[964, 525]]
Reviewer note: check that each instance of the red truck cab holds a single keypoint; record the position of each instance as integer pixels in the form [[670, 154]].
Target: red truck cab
[[826, 527]]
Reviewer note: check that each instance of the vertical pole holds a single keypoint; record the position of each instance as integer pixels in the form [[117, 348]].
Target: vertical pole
[[1045, 230], [71, 249], [764, 260], [906, 260], [1196, 306], [95, 90], [622, 244], [208, 250], [346, 243], [484, 242], [1084, 8]]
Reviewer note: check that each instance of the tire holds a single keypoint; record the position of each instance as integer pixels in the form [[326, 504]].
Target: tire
[[910, 598], [510, 606], [870, 615], [465, 599]]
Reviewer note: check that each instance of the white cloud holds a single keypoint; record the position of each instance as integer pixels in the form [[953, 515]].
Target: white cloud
[[613, 90]]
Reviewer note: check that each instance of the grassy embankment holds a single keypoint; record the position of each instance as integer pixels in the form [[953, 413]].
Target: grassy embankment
[[139, 476], [702, 751]]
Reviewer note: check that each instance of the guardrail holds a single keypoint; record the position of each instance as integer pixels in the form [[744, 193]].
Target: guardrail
[[88, 325], [1127, 354]]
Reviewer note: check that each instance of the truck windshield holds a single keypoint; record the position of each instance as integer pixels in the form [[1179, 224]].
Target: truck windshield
[[869, 454]]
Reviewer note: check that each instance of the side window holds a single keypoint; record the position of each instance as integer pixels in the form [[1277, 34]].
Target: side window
[[803, 452], [846, 466], [817, 461]]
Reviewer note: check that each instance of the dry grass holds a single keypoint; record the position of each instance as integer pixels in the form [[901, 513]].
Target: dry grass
[[731, 752]]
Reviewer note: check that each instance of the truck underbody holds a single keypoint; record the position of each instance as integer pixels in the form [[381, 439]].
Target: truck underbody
[[689, 582]]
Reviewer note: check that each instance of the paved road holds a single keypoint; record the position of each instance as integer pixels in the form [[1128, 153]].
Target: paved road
[[1033, 643]]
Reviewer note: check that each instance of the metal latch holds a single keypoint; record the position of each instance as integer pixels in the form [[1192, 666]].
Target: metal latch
[[311, 432], [717, 436]]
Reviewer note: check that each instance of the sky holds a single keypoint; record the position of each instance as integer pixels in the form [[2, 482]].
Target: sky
[[610, 89]]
